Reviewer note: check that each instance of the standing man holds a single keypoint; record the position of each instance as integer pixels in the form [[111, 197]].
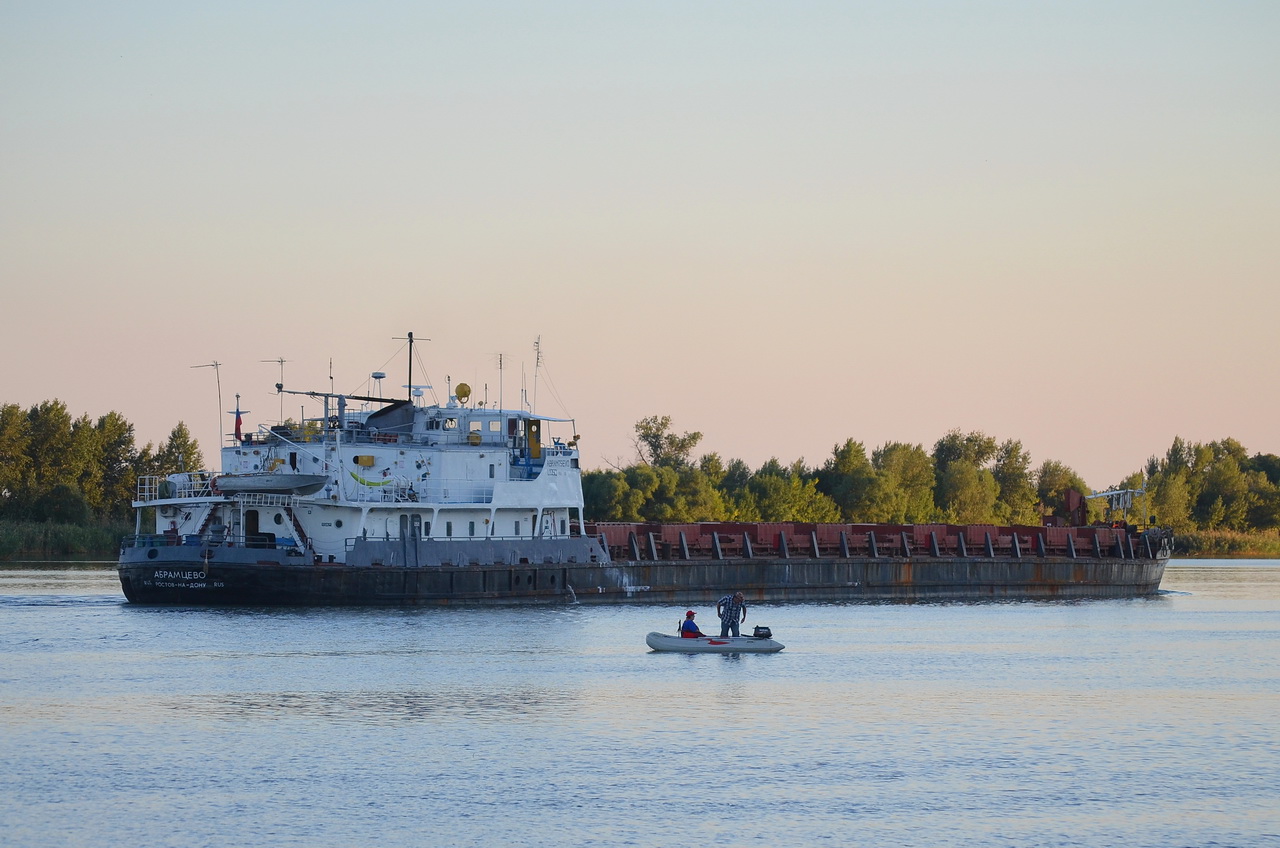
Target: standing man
[[732, 610]]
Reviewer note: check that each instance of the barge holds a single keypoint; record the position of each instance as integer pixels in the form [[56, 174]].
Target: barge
[[878, 563], [383, 502]]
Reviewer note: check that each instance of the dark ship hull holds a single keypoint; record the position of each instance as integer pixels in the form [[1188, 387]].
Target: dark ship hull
[[664, 564]]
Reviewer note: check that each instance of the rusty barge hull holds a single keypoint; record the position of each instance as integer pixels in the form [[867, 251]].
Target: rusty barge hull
[[672, 564], [196, 583]]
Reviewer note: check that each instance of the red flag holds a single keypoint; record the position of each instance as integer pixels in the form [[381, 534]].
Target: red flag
[[238, 437]]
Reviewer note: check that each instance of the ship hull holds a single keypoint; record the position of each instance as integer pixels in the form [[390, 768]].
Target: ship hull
[[190, 577]]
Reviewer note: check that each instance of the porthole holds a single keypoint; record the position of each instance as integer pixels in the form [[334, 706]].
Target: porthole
[[279, 518], [152, 554], [337, 523]]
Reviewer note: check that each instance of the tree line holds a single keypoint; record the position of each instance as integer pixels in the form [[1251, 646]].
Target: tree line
[[967, 478], [66, 470], [57, 468]]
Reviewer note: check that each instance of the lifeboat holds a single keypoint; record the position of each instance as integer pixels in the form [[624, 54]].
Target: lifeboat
[[269, 483]]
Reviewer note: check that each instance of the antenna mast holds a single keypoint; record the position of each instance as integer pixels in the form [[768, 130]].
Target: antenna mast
[[537, 363], [214, 365], [409, 336], [279, 385]]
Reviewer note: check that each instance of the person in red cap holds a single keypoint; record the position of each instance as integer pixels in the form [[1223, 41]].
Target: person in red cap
[[689, 630]]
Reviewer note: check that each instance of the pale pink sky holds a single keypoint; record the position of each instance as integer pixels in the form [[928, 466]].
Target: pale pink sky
[[784, 225]]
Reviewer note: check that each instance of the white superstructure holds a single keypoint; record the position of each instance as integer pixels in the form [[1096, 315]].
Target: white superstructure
[[451, 472]]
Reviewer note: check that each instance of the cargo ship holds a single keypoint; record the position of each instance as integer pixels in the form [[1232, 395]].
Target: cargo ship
[[397, 502]]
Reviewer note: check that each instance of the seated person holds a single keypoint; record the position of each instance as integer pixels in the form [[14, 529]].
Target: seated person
[[689, 630]]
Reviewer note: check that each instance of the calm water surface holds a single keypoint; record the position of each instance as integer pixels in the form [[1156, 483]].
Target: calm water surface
[[1152, 722]]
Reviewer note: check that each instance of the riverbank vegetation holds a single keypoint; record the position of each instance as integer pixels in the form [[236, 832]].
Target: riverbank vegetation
[[1215, 495], [47, 540], [1228, 544], [66, 483]]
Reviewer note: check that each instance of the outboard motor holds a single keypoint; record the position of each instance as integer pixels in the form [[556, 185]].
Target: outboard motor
[[762, 633]]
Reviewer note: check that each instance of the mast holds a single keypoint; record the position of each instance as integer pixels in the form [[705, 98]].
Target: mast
[[409, 386], [280, 385], [537, 363], [218, 376]]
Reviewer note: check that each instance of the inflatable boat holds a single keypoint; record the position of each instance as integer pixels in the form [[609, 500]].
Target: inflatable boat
[[713, 644]]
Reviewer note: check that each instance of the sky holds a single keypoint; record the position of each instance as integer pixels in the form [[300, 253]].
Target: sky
[[783, 225]]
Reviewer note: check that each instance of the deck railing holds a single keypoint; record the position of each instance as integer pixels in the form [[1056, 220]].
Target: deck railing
[[209, 540], [194, 484]]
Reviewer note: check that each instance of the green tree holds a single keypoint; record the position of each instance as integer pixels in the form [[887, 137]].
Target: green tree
[[657, 445], [1171, 500], [967, 494], [903, 489], [117, 457], [607, 497], [1224, 499], [975, 448], [847, 478], [1268, 464], [49, 448], [62, 504], [713, 466], [781, 495], [15, 460], [85, 462], [179, 453], [1179, 456], [698, 498], [737, 474], [675, 495], [1264, 514], [1053, 480], [1016, 501]]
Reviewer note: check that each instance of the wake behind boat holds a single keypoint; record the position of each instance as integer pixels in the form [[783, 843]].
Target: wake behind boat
[[713, 644]]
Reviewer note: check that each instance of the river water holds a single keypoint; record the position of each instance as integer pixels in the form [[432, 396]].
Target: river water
[[1151, 722]]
